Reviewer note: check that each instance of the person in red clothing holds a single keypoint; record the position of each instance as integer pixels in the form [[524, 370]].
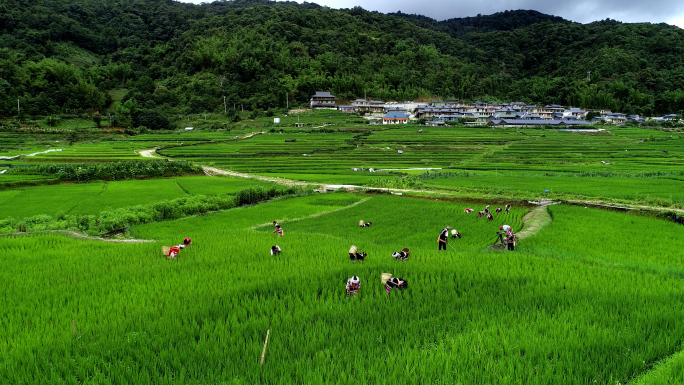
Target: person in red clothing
[[173, 252]]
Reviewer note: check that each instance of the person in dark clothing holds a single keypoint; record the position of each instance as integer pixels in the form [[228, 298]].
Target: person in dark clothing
[[395, 283], [400, 255], [443, 238], [275, 250], [358, 256], [508, 208]]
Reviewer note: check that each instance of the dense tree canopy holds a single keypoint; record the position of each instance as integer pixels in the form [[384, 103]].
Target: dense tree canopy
[[64, 56]]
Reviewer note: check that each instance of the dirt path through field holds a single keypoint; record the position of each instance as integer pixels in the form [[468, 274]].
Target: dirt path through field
[[313, 215], [78, 235], [536, 220], [148, 153]]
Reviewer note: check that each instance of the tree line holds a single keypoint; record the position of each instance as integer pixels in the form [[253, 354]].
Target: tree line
[[61, 56]]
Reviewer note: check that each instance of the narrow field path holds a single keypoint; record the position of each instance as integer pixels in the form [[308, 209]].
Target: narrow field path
[[148, 153], [213, 171], [536, 220], [15, 157], [312, 215], [78, 235]]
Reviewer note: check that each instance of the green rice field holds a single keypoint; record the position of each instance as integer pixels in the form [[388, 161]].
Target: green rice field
[[570, 306], [589, 296], [92, 198]]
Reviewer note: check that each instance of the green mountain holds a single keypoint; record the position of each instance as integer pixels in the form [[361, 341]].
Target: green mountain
[[65, 56]]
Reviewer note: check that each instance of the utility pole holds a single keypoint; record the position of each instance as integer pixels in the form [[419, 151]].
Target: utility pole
[[589, 75], [287, 100], [18, 108], [225, 109]]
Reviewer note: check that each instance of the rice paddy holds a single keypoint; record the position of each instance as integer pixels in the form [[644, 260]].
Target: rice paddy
[[591, 298]]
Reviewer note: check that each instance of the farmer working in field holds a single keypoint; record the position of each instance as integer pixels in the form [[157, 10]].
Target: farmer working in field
[[275, 250], [173, 252], [186, 242], [279, 230], [353, 285], [508, 208], [504, 229], [395, 283], [510, 239], [443, 238]]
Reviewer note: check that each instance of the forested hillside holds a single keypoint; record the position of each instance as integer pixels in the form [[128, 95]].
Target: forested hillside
[[147, 59]]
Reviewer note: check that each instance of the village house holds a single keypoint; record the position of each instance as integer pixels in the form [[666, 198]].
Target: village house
[[615, 118], [576, 112], [361, 104], [347, 109], [376, 106], [395, 117], [506, 112], [323, 100]]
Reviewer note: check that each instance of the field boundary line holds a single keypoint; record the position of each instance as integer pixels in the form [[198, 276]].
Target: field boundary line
[[312, 215], [77, 235]]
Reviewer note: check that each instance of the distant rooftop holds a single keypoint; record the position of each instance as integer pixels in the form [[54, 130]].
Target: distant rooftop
[[323, 94]]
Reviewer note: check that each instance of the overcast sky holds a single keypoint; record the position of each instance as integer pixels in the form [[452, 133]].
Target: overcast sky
[[583, 11]]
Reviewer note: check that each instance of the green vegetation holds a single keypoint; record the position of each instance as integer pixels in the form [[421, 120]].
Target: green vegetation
[[121, 218], [588, 298], [87, 172], [540, 315], [179, 59]]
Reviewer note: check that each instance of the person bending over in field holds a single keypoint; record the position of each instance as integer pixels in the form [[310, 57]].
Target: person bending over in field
[[508, 208], [490, 217], [173, 252], [498, 210], [279, 230], [400, 255], [353, 285], [455, 234], [358, 256], [367, 224], [504, 231], [275, 250], [443, 238], [486, 210], [395, 283]]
